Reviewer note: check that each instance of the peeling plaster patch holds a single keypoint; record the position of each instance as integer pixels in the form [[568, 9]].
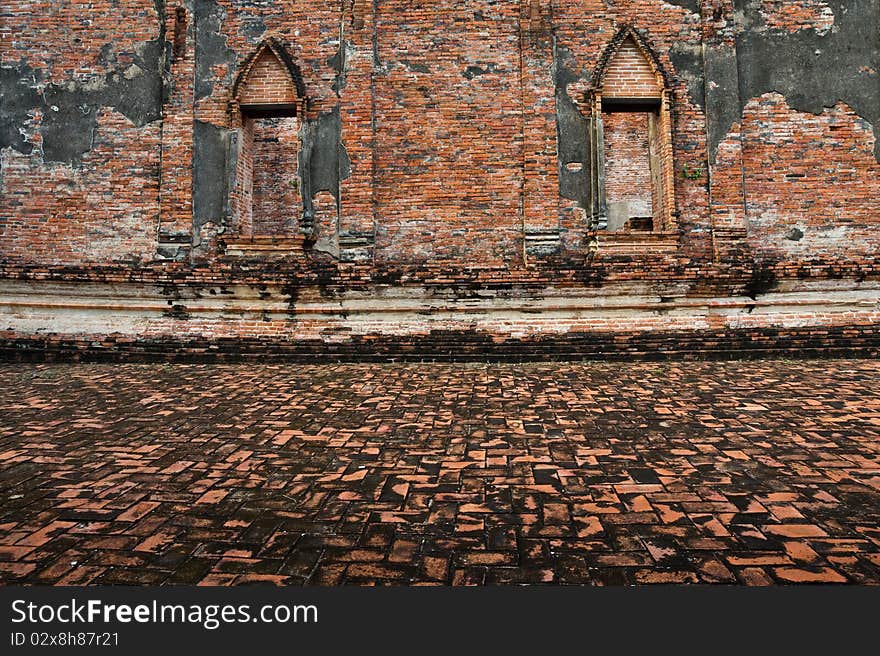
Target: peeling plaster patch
[[687, 60], [813, 70], [329, 163], [794, 15], [68, 113], [211, 146], [20, 100], [572, 129], [339, 63], [692, 6], [212, 49]]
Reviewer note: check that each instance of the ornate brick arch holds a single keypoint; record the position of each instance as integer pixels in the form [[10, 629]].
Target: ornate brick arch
[[630, 85], [268, 106], [270, 77], [625, 33]]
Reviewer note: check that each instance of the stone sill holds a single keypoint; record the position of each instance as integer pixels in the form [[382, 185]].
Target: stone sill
[[263, 246], [638, 242]]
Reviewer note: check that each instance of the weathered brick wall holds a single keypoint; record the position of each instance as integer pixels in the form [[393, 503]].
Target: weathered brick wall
[[448, 185], [629, 74], [176, 175], [276, 205], [627, 164], [796, 15], [80, 151], [443, 142], [809, 138], [267, 81], [583, 33], [812, 184]]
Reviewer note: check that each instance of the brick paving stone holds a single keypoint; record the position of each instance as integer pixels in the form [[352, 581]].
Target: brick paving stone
[[754, 473]]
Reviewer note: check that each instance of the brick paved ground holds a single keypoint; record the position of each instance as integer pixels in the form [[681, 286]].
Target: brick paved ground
[[751, 472]]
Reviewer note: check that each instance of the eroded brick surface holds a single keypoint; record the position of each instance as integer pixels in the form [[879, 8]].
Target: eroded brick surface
[[247, 155], [748, 473]]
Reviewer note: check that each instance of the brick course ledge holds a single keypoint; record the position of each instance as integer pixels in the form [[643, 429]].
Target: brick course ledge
[[857, 341], [87, 315]]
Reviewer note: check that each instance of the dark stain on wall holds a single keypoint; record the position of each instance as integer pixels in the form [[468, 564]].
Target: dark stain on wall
[[254, 27], [211, 157], [572, 131], [70, 112], [18, 98], [687, 60], [211, 48], [811, 69], [763, 279], [329, 163], [723, 100]]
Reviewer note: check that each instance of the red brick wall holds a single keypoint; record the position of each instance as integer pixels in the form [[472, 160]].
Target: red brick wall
[[811, 182], [449, 119], [65, 43], [449, 184], [629, 75], [104, 206], [104, 209], [175, 193], [796, 15], [267, 82], [309, 31], [276, 204], [627, 162], [584, 31]]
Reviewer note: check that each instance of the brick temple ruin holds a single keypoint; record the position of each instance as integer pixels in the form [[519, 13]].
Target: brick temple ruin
[[444, 178]]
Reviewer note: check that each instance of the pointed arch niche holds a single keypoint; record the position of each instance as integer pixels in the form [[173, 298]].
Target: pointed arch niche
[[632, 170], [268, 103]]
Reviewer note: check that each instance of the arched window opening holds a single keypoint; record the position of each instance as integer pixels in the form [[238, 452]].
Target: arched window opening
[[268, 99], [632, 166]]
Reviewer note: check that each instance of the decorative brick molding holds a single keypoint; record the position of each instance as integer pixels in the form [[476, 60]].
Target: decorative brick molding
[[268, 101], [269, 79], [632, 122]]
